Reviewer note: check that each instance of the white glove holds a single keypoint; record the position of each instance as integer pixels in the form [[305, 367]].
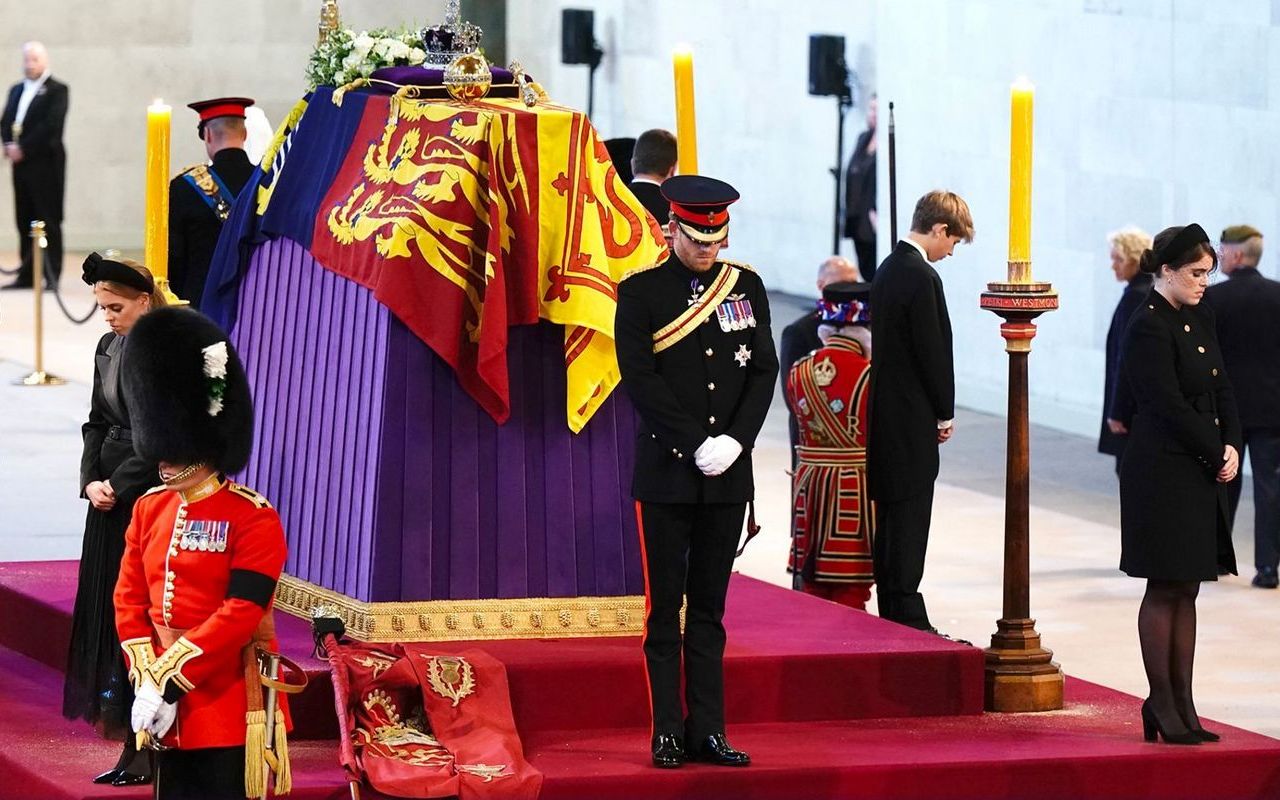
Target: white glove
[[723, 452], [163, 720], [146, 703], [704, 449]]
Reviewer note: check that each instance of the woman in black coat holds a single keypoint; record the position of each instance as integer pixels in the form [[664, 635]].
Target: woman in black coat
[[1117, 400], [112, 477], [1183, 450]]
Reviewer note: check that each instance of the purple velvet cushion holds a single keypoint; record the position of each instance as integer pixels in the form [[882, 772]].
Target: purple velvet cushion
[[428, 76]]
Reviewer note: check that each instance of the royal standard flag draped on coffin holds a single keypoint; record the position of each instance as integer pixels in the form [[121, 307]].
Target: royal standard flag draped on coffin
[[462, 219]]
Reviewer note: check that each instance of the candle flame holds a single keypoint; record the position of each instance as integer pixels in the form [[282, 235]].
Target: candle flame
[[683, 49], [1024, 84]]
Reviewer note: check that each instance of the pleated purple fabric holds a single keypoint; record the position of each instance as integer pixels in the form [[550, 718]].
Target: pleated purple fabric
[[393, 484]]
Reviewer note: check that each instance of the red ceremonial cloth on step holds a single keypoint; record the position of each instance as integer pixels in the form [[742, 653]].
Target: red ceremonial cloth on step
[[429, 724]]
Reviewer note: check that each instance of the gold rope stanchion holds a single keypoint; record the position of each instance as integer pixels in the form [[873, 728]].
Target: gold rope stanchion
[[38, 244]]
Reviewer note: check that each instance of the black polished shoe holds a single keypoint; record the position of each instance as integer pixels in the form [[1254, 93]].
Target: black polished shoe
[[946, 636], [17, 284], [715, 749], [1267, 578], [668, 751], [108, 776], [130, 779]]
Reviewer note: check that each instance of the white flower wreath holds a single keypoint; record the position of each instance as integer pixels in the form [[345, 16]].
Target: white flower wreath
[[346, 55]]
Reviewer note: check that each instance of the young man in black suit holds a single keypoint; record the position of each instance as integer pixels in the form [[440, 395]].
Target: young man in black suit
[[1247, 307], [652, 162], [31, 128], [912, 399]]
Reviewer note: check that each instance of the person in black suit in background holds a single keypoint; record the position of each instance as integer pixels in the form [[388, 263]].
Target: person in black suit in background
[[652, 162], [800, 338], [1183, 450], [1117, 399], [860, 218], [912, 399], [200, 198], [698, 362], [1247, 306], [31, 128]]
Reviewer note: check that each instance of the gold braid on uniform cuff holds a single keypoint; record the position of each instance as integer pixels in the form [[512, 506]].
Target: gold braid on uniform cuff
[[166, 671], [141, 655]]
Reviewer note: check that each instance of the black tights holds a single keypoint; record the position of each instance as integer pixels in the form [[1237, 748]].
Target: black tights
[[1167, 633]]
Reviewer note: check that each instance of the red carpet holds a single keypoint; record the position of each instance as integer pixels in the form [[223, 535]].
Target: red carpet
[[829, 702]]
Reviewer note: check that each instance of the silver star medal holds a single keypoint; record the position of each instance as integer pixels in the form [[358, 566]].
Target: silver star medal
[[742, 356]]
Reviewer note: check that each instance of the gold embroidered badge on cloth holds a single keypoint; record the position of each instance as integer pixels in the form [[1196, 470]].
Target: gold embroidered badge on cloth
[[450, 677]]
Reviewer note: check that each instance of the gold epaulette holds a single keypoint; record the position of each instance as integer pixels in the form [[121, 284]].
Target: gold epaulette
[[737, 264], [248, 494], [192, 168], [638, 270]]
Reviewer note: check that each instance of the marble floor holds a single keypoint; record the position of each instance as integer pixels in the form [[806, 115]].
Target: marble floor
[[1086, 609]]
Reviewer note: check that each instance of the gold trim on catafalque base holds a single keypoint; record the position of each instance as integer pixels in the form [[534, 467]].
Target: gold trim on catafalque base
[[462, 620]]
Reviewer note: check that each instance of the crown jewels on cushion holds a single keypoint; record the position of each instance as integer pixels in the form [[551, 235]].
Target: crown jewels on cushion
[[446, 42]]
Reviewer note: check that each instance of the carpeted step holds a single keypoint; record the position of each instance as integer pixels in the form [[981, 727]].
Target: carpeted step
[[51, 758], [1091, 749], [781, 644]]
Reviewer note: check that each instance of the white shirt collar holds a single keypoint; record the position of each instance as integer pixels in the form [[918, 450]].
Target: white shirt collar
[[643, 179], [30, 88], [35, 83], [917, 246]]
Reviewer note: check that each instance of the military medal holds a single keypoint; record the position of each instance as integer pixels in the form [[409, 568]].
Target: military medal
[[735, 313], [696, 289], [742, 356], [205, 535]]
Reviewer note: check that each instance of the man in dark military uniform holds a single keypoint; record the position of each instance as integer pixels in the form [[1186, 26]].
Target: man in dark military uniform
[[200, 198], [698, 362]]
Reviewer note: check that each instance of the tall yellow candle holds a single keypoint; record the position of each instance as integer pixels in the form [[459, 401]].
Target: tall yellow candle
[[1020, 135], [686, 124], [157, 221]]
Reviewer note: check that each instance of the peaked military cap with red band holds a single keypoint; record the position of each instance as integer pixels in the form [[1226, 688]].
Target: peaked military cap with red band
[[700, 205], [217, 108]]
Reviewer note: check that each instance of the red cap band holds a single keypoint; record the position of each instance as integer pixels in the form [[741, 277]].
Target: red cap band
[[707, 218], [224, 110]]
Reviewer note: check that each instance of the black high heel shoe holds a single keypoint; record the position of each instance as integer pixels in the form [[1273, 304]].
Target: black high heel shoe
[[1151, 727], [1204, 735]]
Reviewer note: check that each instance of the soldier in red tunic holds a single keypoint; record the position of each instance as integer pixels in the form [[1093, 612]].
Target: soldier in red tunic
[[202, 557], [827, 393]]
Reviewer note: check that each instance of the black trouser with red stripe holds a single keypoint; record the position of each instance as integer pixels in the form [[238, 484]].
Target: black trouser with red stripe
[[688, 549]]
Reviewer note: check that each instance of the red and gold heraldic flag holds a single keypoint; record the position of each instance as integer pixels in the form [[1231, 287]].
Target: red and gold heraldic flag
[[465, 219]]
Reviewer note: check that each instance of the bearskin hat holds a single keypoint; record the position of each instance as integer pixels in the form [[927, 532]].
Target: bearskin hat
[[187, 393]]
